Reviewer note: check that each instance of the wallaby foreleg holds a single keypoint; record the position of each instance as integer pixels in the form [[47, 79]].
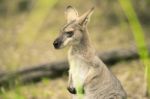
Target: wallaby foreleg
[[70, 87]]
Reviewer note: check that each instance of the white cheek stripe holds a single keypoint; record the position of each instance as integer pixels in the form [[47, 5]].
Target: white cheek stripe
[[67, 41]]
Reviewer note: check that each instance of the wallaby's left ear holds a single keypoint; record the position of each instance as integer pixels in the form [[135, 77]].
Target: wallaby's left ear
[[71, 14], [85, 18]]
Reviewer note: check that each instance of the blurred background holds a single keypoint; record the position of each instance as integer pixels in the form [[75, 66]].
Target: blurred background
[[29, 27]]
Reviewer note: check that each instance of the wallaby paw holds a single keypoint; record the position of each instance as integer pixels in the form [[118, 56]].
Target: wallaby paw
[[72, 90]]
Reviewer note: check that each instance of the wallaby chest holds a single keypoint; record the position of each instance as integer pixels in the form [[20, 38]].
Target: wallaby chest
[[78, 69]]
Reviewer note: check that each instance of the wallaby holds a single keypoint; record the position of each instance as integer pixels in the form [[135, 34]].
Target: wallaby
[[86, 70]]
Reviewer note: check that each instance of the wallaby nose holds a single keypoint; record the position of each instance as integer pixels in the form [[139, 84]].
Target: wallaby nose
[[57, 44]]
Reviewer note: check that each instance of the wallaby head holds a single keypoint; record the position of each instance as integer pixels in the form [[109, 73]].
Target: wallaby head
[[73, 32]]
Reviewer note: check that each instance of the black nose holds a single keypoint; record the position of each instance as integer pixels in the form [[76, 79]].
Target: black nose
[[57, 44]]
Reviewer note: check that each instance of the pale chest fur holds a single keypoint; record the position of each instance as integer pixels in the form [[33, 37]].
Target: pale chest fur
[[78, 69]]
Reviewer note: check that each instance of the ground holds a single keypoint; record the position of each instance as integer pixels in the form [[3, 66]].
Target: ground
[[130, 74]]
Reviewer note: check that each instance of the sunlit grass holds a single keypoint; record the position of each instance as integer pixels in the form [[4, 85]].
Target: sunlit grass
[[16, 95], [18, 43], [34, 21]]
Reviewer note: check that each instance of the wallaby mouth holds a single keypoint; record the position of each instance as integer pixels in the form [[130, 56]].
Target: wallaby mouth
[[57, 44]]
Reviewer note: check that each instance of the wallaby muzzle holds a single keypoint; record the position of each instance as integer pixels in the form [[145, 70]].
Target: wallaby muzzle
[[57, 43]]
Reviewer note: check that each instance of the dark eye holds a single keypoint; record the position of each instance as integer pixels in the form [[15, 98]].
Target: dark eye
[[70, 33]]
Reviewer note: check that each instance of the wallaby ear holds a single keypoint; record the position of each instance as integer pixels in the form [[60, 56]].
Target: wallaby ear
[[71, 13], [85, 18]]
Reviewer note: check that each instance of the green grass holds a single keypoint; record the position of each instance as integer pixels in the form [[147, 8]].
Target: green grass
[[46, 89], [138, 36]]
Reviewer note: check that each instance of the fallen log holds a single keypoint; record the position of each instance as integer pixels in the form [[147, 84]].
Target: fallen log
[[57, 69], [33, 74]]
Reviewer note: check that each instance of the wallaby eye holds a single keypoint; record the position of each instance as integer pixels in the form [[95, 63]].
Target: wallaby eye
[[70, 33]]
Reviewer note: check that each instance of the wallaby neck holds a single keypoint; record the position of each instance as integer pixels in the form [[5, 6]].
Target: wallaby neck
[[84, 48]]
